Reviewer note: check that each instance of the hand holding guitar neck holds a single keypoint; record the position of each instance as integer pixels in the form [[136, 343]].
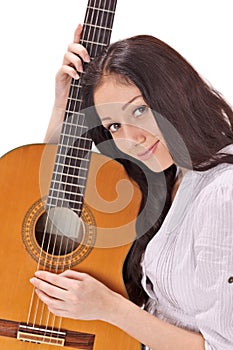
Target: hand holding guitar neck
[[72, 65]]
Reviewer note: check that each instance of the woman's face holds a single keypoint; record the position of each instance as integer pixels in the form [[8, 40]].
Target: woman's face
[[125, 114]]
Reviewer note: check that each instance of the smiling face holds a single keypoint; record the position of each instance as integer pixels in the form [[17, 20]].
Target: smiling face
[[129, 119]]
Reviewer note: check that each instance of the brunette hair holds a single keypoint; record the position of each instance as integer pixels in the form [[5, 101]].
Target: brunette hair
[[178, 97]]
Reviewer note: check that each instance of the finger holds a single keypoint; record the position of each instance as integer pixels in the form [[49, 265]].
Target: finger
[[54, 305], [71, 59], [48, 289], [51, 278], [77, 33], [69, 71], [79, 50], [79, 276]]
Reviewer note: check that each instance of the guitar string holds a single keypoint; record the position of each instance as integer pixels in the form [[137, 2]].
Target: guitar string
[[43, 265], [72, 120], [94, 54], [81, 122], [78, 146], [95, 39]]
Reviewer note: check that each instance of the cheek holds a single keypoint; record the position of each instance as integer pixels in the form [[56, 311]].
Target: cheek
[[122, 144]]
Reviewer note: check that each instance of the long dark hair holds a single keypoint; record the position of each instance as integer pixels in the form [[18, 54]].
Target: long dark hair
[[178, 96]]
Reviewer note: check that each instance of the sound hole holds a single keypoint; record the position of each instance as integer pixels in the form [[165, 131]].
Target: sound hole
[[59, 231]]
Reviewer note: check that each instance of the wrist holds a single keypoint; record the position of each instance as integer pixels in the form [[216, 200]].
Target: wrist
[[117, 309]]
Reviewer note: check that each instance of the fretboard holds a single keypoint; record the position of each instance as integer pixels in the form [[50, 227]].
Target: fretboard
[[74, 148]]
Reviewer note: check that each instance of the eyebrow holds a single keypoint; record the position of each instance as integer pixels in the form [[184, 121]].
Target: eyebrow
[[128, 103], [124, 106]]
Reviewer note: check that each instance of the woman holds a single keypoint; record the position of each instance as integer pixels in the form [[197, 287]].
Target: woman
[[156, 109]]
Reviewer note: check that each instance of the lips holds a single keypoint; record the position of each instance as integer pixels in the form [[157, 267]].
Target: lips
[[148, 153]]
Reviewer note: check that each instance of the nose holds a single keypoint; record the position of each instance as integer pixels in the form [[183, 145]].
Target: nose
[[134, 134]]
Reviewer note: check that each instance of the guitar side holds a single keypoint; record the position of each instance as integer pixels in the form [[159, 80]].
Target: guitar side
[[25, 175]]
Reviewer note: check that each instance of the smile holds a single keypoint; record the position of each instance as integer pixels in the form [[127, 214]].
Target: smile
[[148, 153]]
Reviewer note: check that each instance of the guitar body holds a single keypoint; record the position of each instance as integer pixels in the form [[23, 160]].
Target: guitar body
[[111, 204]]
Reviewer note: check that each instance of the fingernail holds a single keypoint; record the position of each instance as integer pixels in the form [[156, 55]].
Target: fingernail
[[87, 59], [76, 76]]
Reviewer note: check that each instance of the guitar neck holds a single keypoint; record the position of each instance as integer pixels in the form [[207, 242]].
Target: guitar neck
[[73, 154], [98, 24]]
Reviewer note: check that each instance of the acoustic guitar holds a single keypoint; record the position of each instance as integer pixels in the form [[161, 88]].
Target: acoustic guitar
[[64, 207]]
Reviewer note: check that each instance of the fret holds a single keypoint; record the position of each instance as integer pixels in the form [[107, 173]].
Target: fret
[[75, 119], [67, 147], [76, 128], [97, 18], [84, 139], [60, 174], [74, 99], [75, 92], [73, 104], [109, 4], [100, 9], [59, 202], [62, 196], [75, 114], [96, 44], [97, 27], [76, 132], [94, 49], [60, 185], [63, 158], [74, 203], [62, 178], [73, 162], [98, 36], [81, 142], [68, 170], [67, 193], [65, 183], [63, 175], [75, 83], [56, 193]]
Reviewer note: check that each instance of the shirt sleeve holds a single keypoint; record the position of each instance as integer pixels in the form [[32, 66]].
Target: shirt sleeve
[[213, 277]]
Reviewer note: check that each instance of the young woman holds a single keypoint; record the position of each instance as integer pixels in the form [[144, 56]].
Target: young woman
[[152, 106]]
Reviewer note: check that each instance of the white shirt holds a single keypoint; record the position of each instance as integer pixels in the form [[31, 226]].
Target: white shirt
[[188, 265]]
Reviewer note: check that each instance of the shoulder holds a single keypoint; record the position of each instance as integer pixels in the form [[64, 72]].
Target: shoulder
[[215, 184], [213, 212]]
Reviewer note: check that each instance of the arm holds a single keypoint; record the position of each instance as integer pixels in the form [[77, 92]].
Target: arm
[[214, 266], [70, 66], [78, 295]]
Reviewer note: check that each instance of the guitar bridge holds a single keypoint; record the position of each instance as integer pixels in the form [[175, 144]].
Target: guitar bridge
[[41, 336], [47, 335]]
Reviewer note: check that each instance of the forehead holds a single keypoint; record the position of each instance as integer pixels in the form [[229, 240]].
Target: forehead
[[114, 91]]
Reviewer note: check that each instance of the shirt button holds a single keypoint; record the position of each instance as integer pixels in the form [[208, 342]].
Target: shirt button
[[230, 279]]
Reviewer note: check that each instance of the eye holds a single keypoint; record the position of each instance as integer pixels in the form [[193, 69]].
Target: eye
[[139, 111], [114, 127]]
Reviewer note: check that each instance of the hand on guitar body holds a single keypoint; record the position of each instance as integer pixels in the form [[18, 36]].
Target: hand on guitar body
[[75, 295]]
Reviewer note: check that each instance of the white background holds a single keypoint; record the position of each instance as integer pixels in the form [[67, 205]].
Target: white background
[[34, 36]]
